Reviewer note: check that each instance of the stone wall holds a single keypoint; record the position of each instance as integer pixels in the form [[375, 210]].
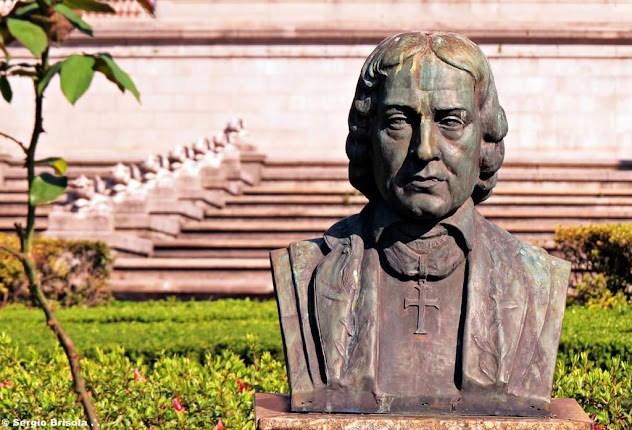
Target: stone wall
[[289, 67]]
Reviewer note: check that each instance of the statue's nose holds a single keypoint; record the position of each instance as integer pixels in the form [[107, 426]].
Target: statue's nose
[[426, 148]]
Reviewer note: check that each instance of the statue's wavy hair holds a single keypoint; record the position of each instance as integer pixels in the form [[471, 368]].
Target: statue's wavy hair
[[452, 49]]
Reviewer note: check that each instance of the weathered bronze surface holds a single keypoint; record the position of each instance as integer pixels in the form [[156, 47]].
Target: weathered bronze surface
[[418, 304], [272, 412]]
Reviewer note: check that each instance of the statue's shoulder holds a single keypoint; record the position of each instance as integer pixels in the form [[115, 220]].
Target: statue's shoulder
[[303, 256], [529, 286], [534, 258], [294, 265], [292, 271]]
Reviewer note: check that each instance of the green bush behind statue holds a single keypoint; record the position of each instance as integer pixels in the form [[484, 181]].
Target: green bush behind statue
[[73, 272], [601, 256]]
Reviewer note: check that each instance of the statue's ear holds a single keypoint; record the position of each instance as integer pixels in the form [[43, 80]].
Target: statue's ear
[[491, 157]]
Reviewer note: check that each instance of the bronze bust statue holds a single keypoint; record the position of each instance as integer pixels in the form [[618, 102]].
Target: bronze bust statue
[[418, 304]]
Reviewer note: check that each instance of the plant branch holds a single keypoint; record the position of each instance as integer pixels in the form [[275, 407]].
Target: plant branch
[[42, 6], [13, 139], [79, 383], [26, 241], [13, 252]]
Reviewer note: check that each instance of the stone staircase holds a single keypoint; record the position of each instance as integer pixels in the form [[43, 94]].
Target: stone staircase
[[226, 252]]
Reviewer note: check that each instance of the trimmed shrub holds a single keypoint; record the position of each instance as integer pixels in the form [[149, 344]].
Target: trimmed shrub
[[605, 252], [176, 392], [194, 329], [72, 272], [152, 329], [171, 393], [605, 394], [600, 333]]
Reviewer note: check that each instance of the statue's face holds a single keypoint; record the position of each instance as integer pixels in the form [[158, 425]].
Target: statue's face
[[426, 138]]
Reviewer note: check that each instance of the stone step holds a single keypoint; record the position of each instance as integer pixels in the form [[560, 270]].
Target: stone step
[[509, 163], [19, 189], [204, 276], [489, 210], [500, 199], [316, 225], [211, 247], [12, 210], [280, 237], [15, 203], [504, 188], [259, 247], [13, 174], [529, 174], [7, 223], [288, 199]]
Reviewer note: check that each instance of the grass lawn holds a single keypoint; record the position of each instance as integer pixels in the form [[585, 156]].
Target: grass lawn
[[195, 328], [152, 328], [209, 388]]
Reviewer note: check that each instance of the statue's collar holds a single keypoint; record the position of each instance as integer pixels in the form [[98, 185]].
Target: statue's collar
[[376, 216], [461, 221]]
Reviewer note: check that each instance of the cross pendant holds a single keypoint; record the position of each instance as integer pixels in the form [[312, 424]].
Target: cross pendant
[[421, 304]]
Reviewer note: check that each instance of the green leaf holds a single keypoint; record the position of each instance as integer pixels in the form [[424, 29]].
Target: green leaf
[[30, 35], [89, 6], [102, 67], [145, 4], [74, 19], [76, 76], [47, 188], [43, 83], [23, 9], [5, 88], [59, 164], [114, 73], [3, 48]]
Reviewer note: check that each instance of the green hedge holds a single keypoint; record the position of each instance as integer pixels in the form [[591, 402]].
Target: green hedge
[[600, 333], [149, 329], [605, 251], [194, 329], [190, 332], [72, 272], [138, 395]]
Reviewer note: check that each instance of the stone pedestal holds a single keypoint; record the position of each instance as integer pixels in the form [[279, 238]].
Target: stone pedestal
[[272, 413]]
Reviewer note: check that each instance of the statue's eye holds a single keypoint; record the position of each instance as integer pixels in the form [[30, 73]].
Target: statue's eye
[[398, 122], [451, 122]]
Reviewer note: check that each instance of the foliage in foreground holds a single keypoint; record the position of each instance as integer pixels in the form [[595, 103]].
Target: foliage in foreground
[[605, 251], [35, 24], [172, 393], [605, 394], [72, 272], [177, 392]]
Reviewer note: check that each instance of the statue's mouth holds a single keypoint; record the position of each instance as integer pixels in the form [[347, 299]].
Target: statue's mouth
[[419, 182]]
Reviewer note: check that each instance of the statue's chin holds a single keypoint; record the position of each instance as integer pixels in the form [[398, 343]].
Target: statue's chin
[[426, 208]]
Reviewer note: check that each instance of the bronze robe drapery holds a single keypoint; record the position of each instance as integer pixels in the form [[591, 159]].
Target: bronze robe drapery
[[327, 297]]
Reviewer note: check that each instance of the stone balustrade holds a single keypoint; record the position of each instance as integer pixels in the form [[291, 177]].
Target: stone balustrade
[[136, 203]]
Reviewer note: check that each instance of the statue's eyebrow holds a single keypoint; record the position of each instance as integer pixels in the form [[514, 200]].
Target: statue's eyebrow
[[449, 108], [400, 107]]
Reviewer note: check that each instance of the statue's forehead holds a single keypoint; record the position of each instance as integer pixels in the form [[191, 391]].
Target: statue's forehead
[[426, 77], [407, 45]]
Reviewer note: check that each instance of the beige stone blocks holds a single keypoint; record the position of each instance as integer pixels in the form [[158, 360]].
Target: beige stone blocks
[[272, 413], [295, 97]]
